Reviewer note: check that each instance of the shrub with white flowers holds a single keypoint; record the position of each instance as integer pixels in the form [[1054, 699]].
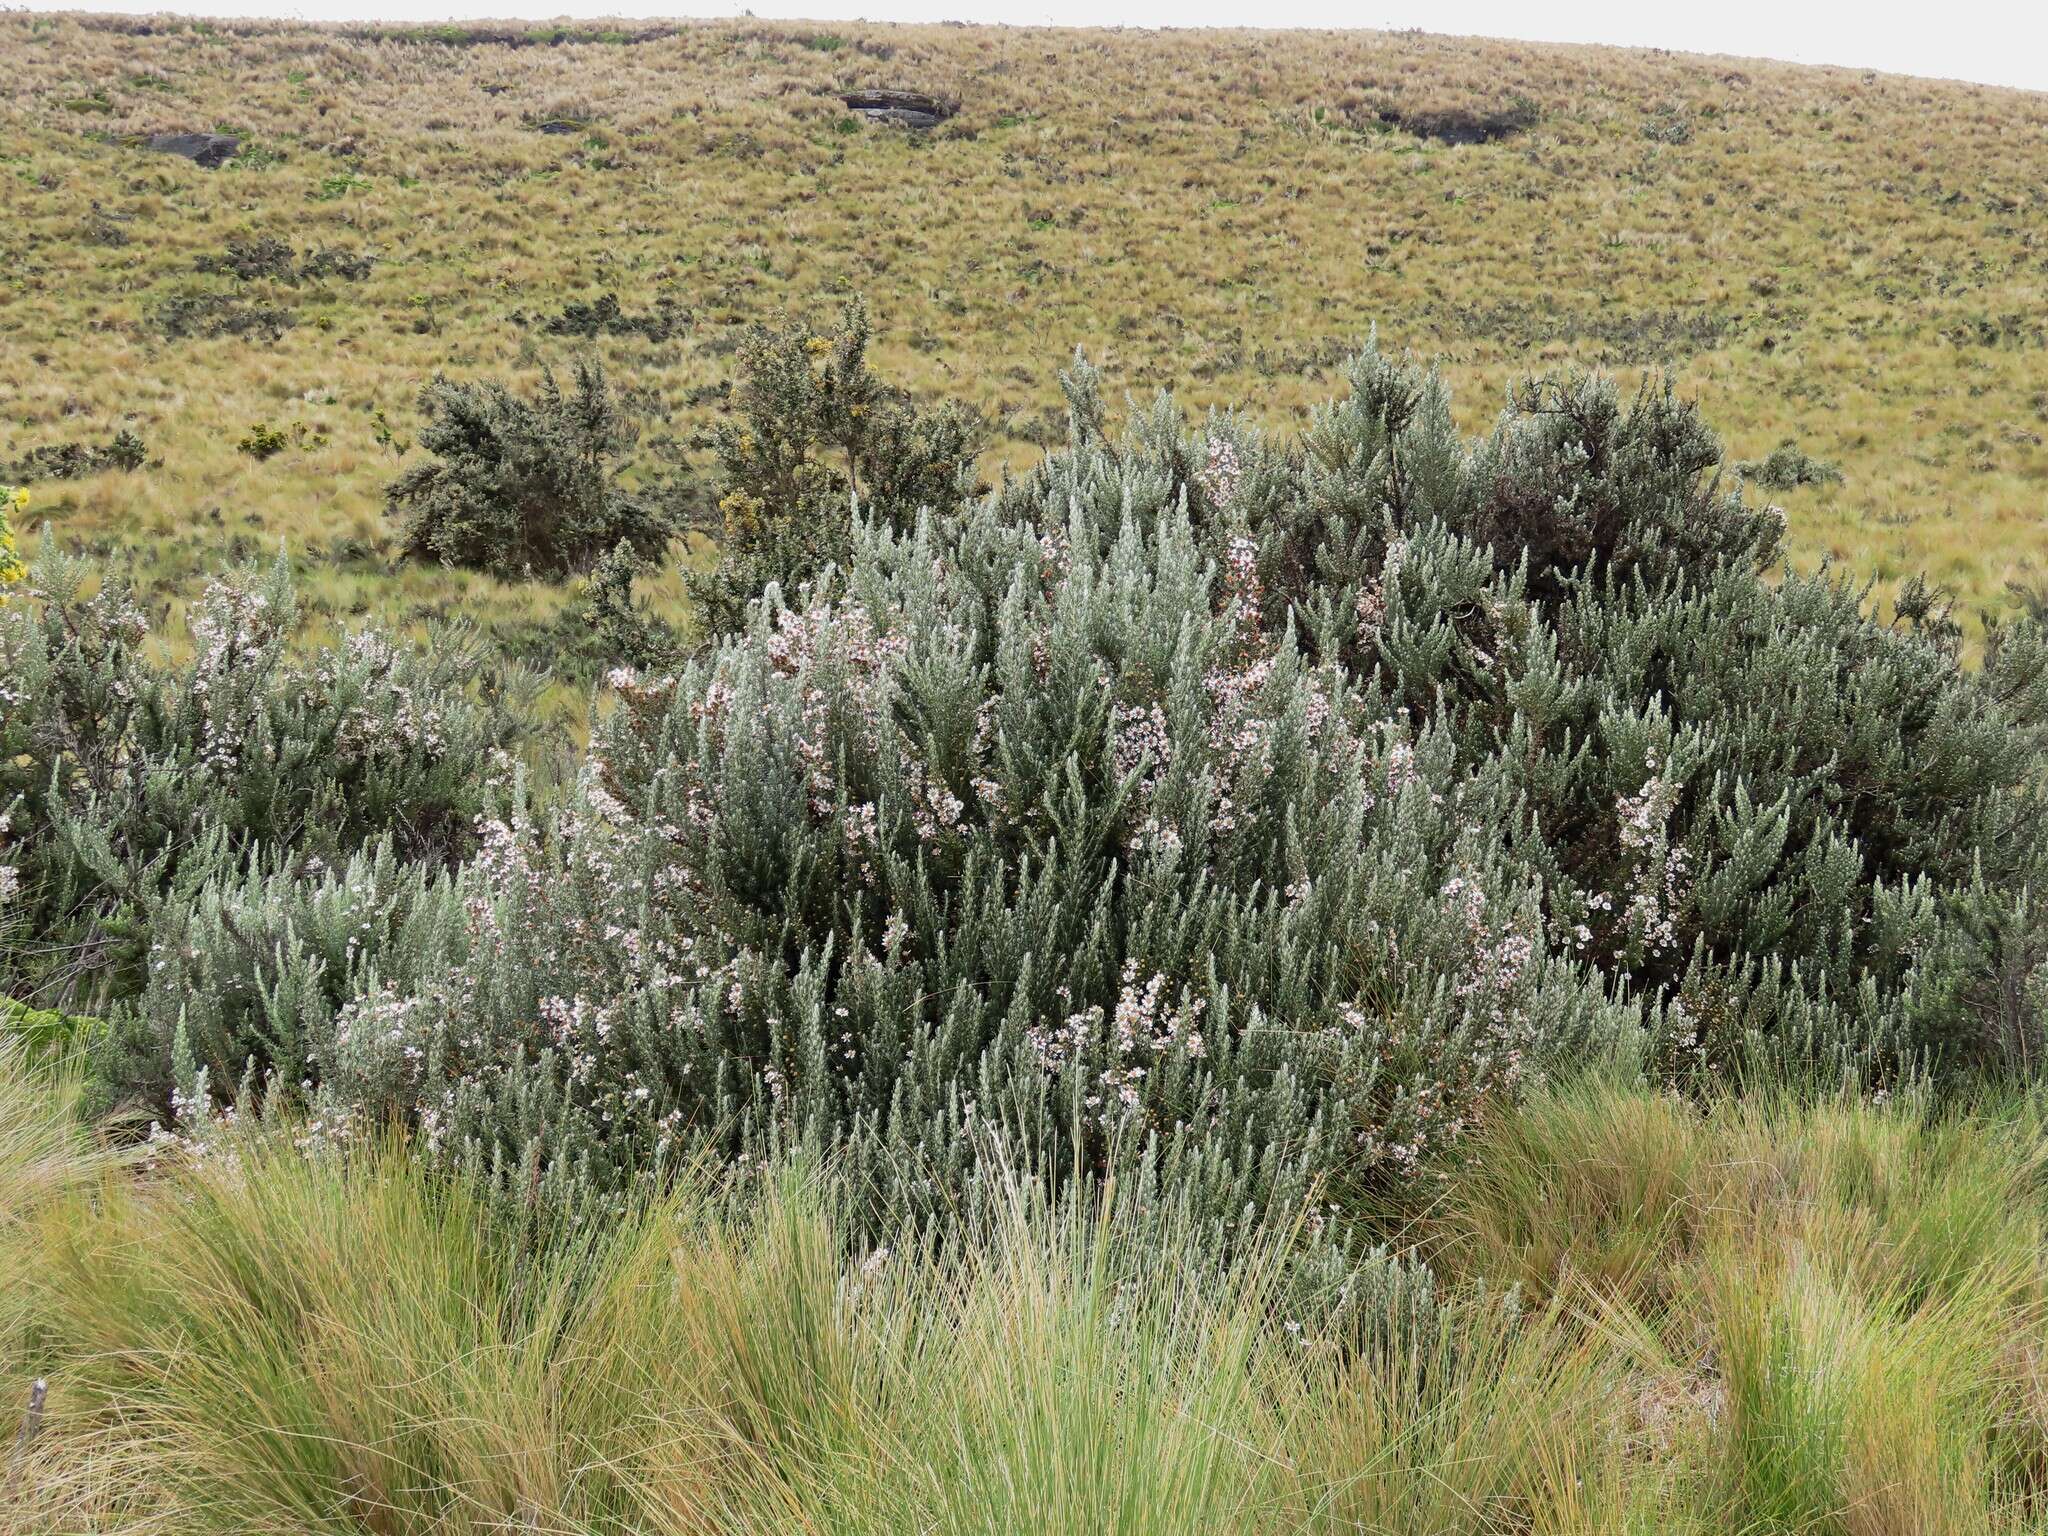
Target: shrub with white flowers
[[131, 783], [984, 850], [1234, 816]]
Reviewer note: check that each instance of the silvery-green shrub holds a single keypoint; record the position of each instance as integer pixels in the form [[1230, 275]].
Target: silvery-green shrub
[[130, 782], [1232, 816]]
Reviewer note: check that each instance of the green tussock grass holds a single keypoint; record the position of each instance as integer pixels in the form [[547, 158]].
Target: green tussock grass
[[1847, 260], [1783, 1313]]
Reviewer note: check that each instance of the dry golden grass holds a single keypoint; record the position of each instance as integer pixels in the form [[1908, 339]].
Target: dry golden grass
[[1781, 1315], [1858, 261]]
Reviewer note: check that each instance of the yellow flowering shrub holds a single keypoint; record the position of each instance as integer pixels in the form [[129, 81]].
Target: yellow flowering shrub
[[813, 431], [12, 571]]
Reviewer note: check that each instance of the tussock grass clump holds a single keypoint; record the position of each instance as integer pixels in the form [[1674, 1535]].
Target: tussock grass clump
[[1931, 1195], [260, 1339], [263, 1341], [278, 1343], [1838, 1304]]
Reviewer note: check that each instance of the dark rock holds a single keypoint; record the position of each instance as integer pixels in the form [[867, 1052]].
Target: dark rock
[[902, 116], [210, 150], [909, 109], [561, 125]]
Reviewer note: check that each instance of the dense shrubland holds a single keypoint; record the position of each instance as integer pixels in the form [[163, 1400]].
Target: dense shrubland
[[1266, 862], [130, 784], [1239, 816]]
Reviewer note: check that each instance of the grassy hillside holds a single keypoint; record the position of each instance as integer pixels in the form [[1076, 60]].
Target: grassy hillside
[[1856, 261]]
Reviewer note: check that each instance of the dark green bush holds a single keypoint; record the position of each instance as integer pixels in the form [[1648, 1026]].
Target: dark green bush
[[813, 431], [248, 260], [525, 487], [184, 315], [103, 228], [268, 257], [125, 450], [1668, 125], [333, 261], [1787, 467], [1849, 815], [263, 441], [624, 628], [602, 316]]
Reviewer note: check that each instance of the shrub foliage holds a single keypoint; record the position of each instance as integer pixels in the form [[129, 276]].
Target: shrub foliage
[[814, 430], [125, 450], [526, 486], [128, 784], [1238, 815]]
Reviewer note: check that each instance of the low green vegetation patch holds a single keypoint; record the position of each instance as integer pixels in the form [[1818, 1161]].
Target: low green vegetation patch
[[602, 316], [125, 450], [43, 1031], [266, 257], [1787, 467], [205, 314]]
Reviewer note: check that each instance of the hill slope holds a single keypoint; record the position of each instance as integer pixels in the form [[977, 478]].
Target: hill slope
[[1860, 262]]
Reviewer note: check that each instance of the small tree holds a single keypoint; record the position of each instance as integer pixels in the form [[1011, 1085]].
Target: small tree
[[813, 430], [525, 487]]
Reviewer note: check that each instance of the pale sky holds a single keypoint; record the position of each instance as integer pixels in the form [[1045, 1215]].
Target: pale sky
[[1994, 43]]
